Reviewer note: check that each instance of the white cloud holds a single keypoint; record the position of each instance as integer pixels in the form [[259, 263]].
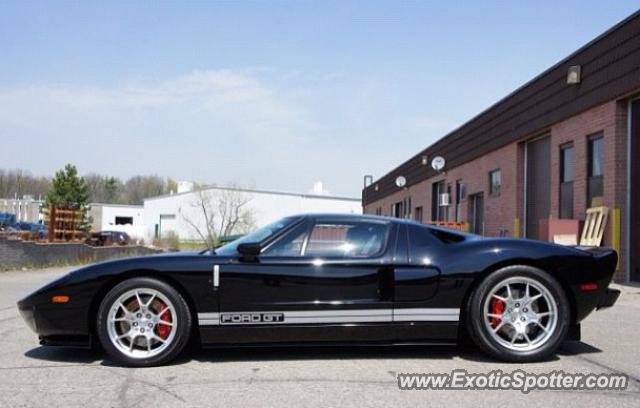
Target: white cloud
[[213, 126], [254, 126], [210, 92]]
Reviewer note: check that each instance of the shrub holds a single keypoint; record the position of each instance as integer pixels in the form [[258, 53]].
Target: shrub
[[170, 241]]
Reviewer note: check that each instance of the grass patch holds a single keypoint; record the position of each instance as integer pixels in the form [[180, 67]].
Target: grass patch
[[192, 245]]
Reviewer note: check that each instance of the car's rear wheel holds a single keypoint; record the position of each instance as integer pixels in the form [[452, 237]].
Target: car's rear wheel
[[143, 322], [518, 313]]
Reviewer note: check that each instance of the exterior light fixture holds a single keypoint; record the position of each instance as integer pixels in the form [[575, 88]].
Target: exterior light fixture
[[368, 180], [424, 160], [574, 75]]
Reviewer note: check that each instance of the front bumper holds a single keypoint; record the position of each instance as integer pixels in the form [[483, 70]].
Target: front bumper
[[60, 323], [28, 316], [608, 298]]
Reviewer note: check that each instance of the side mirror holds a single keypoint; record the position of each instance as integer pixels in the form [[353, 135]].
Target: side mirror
[[249, 251]]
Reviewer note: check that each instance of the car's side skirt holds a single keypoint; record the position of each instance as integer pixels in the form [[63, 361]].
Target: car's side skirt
[[437, 332]]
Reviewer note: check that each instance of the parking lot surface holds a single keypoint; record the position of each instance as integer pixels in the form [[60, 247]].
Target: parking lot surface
[[34, 376]]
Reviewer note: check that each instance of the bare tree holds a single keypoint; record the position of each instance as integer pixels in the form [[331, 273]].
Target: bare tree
[[235, 218], [137, 188], [224, 212], [105, 189], [18, 183]]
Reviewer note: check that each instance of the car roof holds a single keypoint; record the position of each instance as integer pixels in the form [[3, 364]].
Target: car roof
[[363, 217], [371, 217]]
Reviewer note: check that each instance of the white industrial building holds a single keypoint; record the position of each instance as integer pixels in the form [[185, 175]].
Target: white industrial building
[[176, 212], [118, 217], [105, 217], [25, 209]]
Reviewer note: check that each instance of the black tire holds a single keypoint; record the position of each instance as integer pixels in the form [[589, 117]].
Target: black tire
[[484, 339], [183, 329]]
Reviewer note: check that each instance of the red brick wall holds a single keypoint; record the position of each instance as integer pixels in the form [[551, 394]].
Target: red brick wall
[[577, 130], [500, 211], [611, 120]]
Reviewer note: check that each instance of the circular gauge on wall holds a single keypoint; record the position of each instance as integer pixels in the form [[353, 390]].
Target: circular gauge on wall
[[438, 163], [401, 181]]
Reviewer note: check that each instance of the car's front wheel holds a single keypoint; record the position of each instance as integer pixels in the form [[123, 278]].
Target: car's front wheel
[[143, 322], [518, 314]]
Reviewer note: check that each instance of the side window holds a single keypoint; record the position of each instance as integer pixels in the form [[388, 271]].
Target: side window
[[495, 182], [289, 245], [346, 239]]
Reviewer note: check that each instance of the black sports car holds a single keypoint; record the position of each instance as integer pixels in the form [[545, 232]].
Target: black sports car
[[313, 279]]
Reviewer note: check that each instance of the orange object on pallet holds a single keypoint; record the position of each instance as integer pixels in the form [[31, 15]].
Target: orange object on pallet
[[456, 225]]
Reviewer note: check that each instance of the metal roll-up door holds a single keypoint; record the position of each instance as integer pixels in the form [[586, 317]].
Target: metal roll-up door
[[538, 184]]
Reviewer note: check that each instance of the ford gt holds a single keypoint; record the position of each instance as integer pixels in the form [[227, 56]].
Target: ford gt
[[331, 279]]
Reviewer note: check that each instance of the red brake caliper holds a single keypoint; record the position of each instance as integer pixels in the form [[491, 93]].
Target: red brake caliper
[[163, 329], [497, 307]]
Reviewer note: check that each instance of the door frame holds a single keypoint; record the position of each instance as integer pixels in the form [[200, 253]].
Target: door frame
[[629, 243]]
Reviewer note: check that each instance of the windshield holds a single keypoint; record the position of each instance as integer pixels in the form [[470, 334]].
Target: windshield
[[258, 235]]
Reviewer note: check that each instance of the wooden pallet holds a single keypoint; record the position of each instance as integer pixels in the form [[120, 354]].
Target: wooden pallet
[[594, 226], [64, 223]]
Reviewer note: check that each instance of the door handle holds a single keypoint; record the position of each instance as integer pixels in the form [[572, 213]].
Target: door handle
[[216, 276]]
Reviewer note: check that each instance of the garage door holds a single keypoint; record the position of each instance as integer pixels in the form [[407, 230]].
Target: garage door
[[538, 180]]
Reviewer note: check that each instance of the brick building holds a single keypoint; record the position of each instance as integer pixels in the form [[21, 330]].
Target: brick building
[[535, 161]]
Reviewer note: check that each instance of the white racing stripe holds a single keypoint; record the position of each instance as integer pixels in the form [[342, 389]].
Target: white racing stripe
[[329, 316], [426, 315]]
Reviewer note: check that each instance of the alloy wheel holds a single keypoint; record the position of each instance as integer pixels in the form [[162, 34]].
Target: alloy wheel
[[142, 323], [520, 314]]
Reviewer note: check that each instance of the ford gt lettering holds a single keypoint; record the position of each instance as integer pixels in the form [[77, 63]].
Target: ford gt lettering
[[249, 318]]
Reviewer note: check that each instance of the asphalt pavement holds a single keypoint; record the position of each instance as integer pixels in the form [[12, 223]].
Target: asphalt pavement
[[34, 376]]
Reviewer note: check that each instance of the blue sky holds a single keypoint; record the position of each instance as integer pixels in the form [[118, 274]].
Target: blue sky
[[268, 94]]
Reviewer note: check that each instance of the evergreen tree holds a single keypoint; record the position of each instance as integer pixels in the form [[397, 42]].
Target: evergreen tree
[[70, 190]]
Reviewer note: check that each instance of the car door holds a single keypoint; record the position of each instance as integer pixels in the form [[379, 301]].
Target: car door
[[324, 271], [416, 280]]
